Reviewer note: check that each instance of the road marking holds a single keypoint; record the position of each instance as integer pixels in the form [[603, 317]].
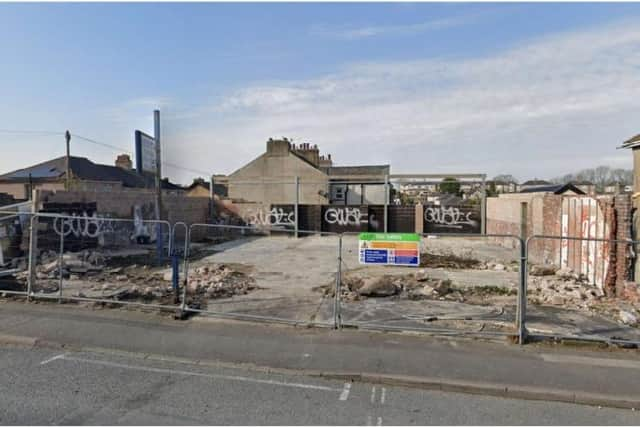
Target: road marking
[[60, 356], [379, 423], [345, 391], [592, 361], [383, 394], [195, 374], [373, 394]]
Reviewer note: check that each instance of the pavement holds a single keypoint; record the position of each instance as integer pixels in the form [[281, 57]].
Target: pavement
[[593, 376], [89, 388]]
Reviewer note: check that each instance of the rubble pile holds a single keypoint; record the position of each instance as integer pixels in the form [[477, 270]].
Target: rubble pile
[[95, 274], [412, 286], [451, 260], [219, 281], [561, 287]]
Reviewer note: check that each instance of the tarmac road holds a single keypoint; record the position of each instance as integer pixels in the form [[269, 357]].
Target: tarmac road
[[48, 386]]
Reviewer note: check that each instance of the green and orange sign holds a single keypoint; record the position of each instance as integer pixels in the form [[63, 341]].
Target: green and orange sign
[[390, 249]]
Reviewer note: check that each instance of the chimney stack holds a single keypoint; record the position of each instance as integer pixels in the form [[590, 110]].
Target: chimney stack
[[123, 161]]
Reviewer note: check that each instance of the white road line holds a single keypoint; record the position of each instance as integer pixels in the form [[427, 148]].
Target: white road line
[[345, 391], [379, 423], [198, 374], [60, 356], [373, 394], [592, 361], [383, 394]]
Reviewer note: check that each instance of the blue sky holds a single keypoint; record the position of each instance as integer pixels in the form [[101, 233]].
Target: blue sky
[[535, 90]]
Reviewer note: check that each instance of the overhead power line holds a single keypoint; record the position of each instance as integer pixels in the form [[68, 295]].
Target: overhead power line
[[171, 165], [32, 132], [93, 141]]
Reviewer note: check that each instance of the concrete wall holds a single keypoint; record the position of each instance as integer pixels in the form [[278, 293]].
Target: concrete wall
[[270, 179]]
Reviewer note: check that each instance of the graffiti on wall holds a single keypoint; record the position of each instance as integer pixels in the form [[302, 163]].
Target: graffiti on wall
[[584, 218], [275, 217], [338, 219], [343, 216], [83, 225], [452, 219]]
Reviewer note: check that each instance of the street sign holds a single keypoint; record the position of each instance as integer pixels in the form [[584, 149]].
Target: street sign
[[390, 249], [145, 153]]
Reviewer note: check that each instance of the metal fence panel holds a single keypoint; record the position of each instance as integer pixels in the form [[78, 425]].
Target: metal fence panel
[[464, 284], [579, 298], [15, 226], [98, 259], [262, 273]]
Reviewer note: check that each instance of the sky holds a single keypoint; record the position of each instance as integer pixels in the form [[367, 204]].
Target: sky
[[532, 90]]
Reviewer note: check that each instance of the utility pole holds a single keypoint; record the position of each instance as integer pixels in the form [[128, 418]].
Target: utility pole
[[156, 129], [156, 126], [67, 137]]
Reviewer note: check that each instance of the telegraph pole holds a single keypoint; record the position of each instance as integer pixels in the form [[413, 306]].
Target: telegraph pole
[[67, 137], [156, 130], [156, 126]]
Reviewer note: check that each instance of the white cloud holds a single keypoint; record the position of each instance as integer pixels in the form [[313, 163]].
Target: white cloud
[[390, 30], [543, 108]]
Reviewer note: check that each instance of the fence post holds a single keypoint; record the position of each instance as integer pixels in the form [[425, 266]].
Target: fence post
[[483, 207], [296, 205], [521, 313], [337, 318], [33, 242], [187, 240], [386, 201], [60, 267]]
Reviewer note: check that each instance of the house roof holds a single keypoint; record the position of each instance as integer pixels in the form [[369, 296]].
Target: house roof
[[83, 169], [356, 170], [632, 142], [555, 189], [219, 189]]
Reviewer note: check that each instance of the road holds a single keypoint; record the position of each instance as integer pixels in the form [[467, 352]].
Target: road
[[47, 386]]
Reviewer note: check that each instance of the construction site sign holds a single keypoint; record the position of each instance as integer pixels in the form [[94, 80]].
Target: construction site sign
[[390, 249]]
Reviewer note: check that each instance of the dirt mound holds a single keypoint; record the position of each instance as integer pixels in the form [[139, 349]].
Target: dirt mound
[[434, 260]]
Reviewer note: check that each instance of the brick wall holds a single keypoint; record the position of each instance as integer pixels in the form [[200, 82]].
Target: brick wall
[[620, 281], [120, 204]]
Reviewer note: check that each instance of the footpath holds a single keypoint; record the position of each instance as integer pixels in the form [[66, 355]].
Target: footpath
[[584, 375]]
